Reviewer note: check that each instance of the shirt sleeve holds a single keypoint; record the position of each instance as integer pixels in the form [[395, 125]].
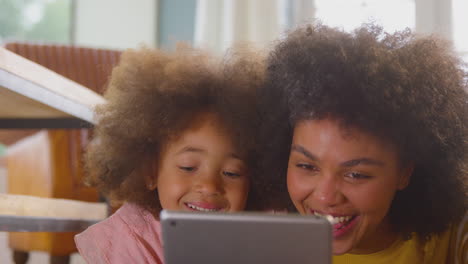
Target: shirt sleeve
[[128, 236]]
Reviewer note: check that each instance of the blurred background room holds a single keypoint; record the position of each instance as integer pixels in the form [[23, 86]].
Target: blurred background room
[[82, 40]]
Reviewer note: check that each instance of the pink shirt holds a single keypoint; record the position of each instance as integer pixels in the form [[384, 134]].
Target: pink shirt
[[130, 235]]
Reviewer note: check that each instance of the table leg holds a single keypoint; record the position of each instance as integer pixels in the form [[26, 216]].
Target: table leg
[[60, 259], [20, 257]]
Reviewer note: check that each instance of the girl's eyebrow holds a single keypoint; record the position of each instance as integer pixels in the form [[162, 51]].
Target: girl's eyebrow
[[200, 150], [349, 163], [190, 149]]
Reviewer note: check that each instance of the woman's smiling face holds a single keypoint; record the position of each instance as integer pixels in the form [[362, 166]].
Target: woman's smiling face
[[350, 175]]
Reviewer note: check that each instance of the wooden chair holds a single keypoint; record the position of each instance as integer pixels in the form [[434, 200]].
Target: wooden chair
[[48, 163], [86, 66]]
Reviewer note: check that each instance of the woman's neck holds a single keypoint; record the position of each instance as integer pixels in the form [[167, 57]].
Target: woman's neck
[[381, 239]]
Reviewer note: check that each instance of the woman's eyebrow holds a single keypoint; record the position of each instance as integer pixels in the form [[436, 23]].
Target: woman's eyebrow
[[349, 163], [234, 155], [363, 161], [304, 152]]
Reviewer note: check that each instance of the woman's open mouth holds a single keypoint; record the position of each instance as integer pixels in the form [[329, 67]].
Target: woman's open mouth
[[341, 223]]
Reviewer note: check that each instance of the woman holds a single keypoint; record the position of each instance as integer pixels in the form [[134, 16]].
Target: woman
[[372, 131]]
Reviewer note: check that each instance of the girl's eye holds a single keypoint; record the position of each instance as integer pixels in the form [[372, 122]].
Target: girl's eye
[[357, 176], [187, 168], [231, 174]]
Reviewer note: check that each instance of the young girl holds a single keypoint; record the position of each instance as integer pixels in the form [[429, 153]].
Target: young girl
[[370, 129], [177, 133]]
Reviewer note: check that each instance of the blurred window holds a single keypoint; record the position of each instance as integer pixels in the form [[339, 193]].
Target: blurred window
[[460, 21], [36, 20], [350, 14]]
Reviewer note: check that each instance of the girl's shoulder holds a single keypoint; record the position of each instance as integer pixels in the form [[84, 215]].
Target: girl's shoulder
[[130, 233]]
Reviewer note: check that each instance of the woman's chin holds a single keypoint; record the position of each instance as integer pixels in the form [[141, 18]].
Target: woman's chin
[[344, 236], [340, 248]]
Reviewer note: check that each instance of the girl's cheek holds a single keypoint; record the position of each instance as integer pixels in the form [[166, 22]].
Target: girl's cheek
[[243, 191]]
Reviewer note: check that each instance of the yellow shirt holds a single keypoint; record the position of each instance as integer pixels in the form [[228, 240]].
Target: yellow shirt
[[448, 247]]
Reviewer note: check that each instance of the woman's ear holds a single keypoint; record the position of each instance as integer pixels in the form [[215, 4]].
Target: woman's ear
[[405, 176], [151, 175]]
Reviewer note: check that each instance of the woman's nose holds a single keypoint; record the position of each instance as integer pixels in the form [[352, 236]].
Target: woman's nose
[[327, 191]]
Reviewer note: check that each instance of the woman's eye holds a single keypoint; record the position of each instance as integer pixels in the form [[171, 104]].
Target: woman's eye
[[231, 174], [306, 166], [187, 168], [357, 176]]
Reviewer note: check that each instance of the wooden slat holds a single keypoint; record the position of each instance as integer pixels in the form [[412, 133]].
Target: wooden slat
[[14, 105], [15, 223], [82, 64], [25, 205], [33, 81]]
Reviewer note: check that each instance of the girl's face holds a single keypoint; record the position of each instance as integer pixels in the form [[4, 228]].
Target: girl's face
[[202, 170], [349, 175]]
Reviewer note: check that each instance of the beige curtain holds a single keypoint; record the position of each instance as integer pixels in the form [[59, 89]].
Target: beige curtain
[[222, 23]]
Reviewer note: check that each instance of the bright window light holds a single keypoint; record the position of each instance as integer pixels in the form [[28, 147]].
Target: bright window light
[[460, 21], [349, 14]]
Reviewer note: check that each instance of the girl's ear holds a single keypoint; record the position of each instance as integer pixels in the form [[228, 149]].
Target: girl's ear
[[405, 176], [151, 175]]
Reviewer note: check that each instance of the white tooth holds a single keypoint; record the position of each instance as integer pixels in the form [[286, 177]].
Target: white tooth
[[336, 220], [200, 208], [331, 219]]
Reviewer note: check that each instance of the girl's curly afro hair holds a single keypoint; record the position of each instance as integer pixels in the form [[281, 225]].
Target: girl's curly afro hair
[[404, 89], [152, 96]]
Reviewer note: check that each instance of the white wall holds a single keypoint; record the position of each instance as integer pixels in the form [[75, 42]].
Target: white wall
[[115, 24]]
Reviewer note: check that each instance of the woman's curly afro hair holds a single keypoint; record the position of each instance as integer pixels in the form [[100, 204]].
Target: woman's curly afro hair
[[407, 90], [152, 97]]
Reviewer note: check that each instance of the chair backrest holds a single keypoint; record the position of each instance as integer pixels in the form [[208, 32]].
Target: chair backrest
[[87, 66]]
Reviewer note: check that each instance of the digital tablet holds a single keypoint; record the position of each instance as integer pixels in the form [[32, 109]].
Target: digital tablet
[[244, 238]]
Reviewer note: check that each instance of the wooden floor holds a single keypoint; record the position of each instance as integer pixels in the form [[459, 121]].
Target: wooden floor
[[35, 257]]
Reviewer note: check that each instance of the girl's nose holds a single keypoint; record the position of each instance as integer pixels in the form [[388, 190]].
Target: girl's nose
[[327, 191], [209, 184]]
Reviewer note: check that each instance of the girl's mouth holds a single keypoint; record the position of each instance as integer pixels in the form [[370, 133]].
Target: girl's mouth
[[341, 223], [202, 207]]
